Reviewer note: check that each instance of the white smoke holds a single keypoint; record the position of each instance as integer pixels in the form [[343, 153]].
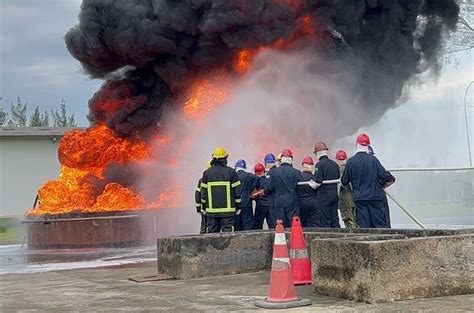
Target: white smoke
[[283, 102]]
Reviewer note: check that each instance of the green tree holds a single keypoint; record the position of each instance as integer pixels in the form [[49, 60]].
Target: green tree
[[35, 118], [45, 119], [18, 113], [60, 117], [3, 117]]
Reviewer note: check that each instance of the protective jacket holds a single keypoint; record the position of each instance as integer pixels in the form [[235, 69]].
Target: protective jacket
[[366, 175], [283, 181], [248, 182], [220, 190], [262, 183], [197, 197]]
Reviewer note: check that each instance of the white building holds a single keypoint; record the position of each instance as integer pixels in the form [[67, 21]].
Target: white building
[[28, 157]]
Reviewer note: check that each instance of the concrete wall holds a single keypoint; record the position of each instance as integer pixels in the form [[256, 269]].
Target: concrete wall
[[25, 164]]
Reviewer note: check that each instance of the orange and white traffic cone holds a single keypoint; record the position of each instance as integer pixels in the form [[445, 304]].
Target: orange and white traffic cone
[[282, 292], [299, 259]]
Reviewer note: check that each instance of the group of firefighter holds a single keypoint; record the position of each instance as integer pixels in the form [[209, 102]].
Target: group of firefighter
[[225, 196]]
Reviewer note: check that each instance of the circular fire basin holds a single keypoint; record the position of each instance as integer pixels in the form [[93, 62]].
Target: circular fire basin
[[82, 230]]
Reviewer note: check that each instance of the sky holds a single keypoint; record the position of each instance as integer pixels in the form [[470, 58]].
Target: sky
[[426, 129]]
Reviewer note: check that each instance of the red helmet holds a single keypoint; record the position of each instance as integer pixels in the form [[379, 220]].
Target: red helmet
[[259, 168], [287, 153], [320, 146], [341, 155], [308, 160], [363, 140]]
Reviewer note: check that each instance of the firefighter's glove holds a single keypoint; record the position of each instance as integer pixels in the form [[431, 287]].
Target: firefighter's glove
[[203, 212], [237, 212], [313, 184]]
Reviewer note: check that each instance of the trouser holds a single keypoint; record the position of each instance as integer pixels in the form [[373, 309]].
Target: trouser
[[386, 211], [203, 224], [348, 215], [325, 215], [286, 214], [307, 207], [244, 221], [263, 212], [370, 214], [218, 224]]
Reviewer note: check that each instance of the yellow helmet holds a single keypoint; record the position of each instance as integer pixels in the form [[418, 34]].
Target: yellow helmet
[[219, 153], [278, 157]]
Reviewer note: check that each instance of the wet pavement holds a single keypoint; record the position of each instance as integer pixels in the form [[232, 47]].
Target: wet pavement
[[15, 259], [110, 290]]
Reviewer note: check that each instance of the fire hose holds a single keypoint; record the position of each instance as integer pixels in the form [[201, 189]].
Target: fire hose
[[406, 169], [337, 181]]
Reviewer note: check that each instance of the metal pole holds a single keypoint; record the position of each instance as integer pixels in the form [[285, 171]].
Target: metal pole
[[467, 125]]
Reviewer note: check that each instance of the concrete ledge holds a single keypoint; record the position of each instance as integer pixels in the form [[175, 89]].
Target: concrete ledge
[[215, 254], [377, 270]]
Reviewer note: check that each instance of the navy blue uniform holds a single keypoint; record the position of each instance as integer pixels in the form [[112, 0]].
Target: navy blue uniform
[[327, 197], [248, 182], [197, 198], [283, 182], [265, 206], [306, 198], [366, 175]]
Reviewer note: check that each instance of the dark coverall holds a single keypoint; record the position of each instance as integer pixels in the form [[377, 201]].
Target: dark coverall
[[220, 195], [283, 182], [306, 198], [248, 181], [265, 207], [365, 173], [327, 197], [197, 198]]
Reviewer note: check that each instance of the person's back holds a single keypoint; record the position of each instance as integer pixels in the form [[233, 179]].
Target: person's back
[[283, 182], [220, 193], [366, 176], [248, 182], [327, 196], [306, 197], [365, 173]]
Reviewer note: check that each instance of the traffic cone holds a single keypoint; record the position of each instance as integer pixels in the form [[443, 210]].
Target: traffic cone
[[282, 292], [299, 259]]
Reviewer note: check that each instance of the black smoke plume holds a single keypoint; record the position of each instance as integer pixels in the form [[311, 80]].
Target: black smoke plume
[[160, 45]]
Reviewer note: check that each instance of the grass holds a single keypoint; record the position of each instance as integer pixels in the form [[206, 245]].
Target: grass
[[11, 231]]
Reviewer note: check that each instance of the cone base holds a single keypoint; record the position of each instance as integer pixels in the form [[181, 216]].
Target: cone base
[[302, 282], [283, 305]]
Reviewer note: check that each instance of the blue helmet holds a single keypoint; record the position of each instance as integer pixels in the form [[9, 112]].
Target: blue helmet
[[269, 158], [241, 164], [371, 151]]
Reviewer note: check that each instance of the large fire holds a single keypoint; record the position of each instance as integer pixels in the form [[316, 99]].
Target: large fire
[[87, 155]]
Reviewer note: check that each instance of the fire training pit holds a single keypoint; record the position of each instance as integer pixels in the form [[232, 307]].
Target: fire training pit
[[108, 229]]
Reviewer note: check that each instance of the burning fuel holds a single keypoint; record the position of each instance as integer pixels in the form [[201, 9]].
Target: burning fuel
[[168, 58]]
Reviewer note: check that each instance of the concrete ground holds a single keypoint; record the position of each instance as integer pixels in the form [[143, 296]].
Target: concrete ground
[[109, 290]]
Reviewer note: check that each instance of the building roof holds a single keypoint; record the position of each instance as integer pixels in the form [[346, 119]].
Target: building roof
[[34, 131]]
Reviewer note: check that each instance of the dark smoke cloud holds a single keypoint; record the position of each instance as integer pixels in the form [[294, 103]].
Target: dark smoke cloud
[[382, 42]]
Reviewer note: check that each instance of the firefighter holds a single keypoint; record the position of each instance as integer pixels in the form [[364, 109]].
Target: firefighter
[[263, 202], [306, 194], [220, 193], [388, 180], [283, 182], [327, 195], [248, 181], [364, 172], [346, 204], [199, 206]]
